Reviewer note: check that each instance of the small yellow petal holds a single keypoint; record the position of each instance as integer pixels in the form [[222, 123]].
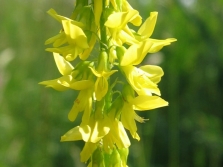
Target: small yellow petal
[[81, 85], [87, 151], [63, 66], [101, 88], [72, 135], [144, 102], [153, 72], [148, 26], [159, 44]]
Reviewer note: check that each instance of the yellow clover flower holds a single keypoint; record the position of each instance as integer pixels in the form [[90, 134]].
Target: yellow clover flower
[[101, 84], [83, 102], [146, 30], [74, 36], [140, 103], [117, 24], [109, 131], [144, 79], [68, 80]]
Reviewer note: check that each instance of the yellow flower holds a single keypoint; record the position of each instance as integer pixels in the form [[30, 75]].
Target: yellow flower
[[101, 84], [110, 131], [144, 79], [117, 24], [146, 30], [135, 54], [73, 36], [68, 80], [141, 103], [83, 102]]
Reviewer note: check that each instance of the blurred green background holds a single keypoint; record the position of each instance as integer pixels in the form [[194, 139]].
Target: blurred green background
[[188, 133]]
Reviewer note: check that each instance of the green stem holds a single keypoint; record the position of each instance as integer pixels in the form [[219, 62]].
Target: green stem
[[103, 32]]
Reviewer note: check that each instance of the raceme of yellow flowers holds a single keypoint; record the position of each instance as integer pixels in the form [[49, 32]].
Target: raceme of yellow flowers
[[98, 56]]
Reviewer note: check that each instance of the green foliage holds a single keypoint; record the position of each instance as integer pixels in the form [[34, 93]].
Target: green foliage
[[187, 133]]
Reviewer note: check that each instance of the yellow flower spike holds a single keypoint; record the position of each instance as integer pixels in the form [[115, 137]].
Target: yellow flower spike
[[98, 4], [63, 66], [101, 84], [140, 81]]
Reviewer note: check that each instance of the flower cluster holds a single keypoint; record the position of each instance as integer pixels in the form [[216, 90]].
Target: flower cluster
[[96, 53]]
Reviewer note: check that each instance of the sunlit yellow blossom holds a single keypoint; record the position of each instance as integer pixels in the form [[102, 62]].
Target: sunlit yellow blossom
[[101, 84], [109, 130], [140, 103], [109, 105], [141, 80], [83, 102], [135, 54], [117, 24], [146, 30], [74, 36], [68, 80]]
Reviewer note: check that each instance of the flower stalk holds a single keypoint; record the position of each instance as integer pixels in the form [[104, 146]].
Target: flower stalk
[[112, 90]]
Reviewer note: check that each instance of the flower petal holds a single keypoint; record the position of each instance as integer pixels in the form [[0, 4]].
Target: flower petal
[[153, 72], [72, 135], [148, 26], [87, 151], [159, 44], [81, 85], [63, 66], [57, 84], [144, 102], [127, 118]]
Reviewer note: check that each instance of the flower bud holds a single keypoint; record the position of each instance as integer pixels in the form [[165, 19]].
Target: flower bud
[[102, 62], [98, 158], [120, 50]]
